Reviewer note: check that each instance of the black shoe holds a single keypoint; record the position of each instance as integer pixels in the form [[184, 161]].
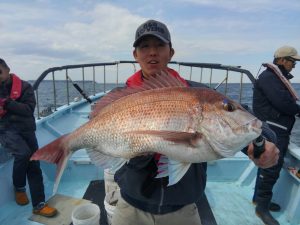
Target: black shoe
[[266, 217], [274, 207]]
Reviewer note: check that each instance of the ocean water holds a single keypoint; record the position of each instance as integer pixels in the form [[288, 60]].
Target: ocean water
[[46, 96]]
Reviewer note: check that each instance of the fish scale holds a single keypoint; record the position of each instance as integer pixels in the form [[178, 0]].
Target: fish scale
[[132, 118]]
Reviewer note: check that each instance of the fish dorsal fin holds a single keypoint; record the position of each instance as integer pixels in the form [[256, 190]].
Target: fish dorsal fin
[[112, 96], [160, 80]]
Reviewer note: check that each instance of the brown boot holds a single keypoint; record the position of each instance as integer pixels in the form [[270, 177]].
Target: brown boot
[[46, 211], [21, 198]]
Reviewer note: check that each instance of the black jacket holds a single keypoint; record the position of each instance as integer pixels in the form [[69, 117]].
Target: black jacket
[[273, 103], [140, 189], [20, 112]]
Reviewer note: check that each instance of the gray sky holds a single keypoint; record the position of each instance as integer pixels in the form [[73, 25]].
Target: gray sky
[[38, 34]]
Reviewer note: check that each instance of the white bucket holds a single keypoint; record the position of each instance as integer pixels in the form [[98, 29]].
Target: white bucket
[[110, 202], [86, 214], [109, 182]]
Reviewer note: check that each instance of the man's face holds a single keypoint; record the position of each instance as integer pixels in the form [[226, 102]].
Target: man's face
[[4, 73], [153, 55], [288, 63]]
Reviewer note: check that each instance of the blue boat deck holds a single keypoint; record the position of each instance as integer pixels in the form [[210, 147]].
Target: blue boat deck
[[230, 201]]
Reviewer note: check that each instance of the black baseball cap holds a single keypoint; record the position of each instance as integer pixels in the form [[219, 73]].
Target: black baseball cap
[[154, 28]]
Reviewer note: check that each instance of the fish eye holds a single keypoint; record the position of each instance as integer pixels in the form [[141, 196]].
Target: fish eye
[[228, 106]]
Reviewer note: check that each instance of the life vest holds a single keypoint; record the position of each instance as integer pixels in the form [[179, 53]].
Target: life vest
[[285, 81], [15, 92]]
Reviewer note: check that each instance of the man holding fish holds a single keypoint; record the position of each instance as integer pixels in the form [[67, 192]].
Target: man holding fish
[[157, 133], [146, 199]]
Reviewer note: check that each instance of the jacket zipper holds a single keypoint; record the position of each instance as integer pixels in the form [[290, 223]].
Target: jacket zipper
[[161, 196]]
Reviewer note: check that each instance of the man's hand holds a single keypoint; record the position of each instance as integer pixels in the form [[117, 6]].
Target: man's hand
[[268, 158]]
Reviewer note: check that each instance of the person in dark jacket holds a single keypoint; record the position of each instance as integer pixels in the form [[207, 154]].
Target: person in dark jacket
[[274, 101], [17, 135], [144, 198]]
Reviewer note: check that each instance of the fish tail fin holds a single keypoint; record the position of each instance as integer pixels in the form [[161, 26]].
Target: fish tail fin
[[59, 171], [54, 152]]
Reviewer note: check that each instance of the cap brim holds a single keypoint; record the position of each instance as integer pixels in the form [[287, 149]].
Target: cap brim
[[136, 42], [296, 57]]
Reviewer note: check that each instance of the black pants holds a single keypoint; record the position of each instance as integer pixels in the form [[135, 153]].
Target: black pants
[[266, 178], [22, 146]]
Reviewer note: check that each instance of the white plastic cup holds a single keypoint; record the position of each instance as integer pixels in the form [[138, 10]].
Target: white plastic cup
[[110, 208], [109, 182], [86, 214]]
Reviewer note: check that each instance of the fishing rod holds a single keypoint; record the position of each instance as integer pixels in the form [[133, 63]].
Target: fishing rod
[[80, 90]]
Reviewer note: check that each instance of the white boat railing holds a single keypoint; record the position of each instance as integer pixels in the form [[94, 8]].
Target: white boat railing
[[90, 79]]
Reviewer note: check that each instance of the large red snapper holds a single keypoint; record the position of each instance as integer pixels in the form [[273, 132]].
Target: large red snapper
[[188, 125]]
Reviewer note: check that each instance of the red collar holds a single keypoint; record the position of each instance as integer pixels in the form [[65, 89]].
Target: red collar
[[137, 78], [16, 88], [15, 93]]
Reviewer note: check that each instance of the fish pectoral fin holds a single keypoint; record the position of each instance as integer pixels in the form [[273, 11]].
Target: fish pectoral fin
[[106, 161], [162, 167], [175, 170], [178, 137]]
